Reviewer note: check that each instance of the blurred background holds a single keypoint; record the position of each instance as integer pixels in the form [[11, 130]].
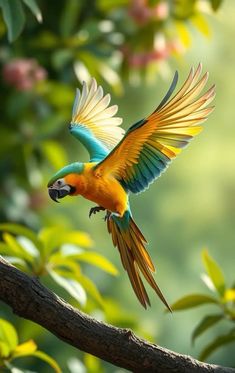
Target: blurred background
[[132, 48]]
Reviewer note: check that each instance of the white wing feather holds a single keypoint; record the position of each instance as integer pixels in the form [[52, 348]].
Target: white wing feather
[[91, 110]]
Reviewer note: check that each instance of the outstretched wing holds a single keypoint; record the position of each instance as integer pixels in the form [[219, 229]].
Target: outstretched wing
[[149, 145], [93, 122]]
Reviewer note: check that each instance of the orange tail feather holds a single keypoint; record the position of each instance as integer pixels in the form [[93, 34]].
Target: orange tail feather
[[135, 258]]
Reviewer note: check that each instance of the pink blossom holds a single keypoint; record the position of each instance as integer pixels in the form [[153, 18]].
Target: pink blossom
[[161, 11], [142, 59], [23, 73], [141, 12]]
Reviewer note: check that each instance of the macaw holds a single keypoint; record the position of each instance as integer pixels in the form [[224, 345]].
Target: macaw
[[121, 162]]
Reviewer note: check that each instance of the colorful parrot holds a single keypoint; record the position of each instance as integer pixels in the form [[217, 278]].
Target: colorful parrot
[[121, 162]]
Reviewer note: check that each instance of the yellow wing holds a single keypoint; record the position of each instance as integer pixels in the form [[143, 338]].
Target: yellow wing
[[149, 145]]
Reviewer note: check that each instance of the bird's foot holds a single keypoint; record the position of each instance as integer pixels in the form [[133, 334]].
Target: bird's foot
[[95, 209], [107, 216]]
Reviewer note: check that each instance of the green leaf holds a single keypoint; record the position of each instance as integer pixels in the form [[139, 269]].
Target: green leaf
[[55, 153], [58, 260], [86, 283], [77, 238], [33, 6], [8, 334], [96, 260], [49, 237], [71, 286], [17, 262], [110, 76], [17, 249], [4, 349], [214, 272], [183, 9], [220, 341], [96, 67], [107, 5], [215, 4], [6, 250], [14, 17], [92, 364], [190, 301], [70, 14], [90, 288], [20, 230], [206, 323], [49, 360], [54, 237]]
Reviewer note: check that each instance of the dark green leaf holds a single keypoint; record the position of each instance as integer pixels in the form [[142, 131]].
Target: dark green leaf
[[183, 9], [107, 5], [222, 340], [215, 4], [190, 301], [6, 250], [47, 359], [214, 272], [206, 323], [14, 17], [69, 17], [33, 6]]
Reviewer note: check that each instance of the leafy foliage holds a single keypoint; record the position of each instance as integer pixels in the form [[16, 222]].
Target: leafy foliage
[[223, 299], [58, 253], [14, 15], [11, 349], [92, 34]]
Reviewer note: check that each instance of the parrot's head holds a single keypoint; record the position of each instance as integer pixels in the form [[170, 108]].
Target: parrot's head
[[62, 184]]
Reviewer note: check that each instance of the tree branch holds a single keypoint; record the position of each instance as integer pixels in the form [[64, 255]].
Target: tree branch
[[31, 300]]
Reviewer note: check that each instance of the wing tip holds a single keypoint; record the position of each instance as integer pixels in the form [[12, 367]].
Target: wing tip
[[169, 92]]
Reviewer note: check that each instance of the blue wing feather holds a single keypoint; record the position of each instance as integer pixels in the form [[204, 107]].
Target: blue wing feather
[[96, 149]]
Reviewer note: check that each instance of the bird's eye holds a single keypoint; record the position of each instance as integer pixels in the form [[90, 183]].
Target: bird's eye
[[59, 182]]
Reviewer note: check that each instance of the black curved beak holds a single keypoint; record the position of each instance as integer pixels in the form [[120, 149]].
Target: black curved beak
[[56, 194]]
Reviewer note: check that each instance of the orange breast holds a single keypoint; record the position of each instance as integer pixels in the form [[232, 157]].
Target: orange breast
[[104, 191]]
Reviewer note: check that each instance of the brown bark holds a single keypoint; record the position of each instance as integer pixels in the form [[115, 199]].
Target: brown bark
[[29, 299]]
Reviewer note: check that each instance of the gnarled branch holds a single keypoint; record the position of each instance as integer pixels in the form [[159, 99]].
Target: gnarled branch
[[31, 300]]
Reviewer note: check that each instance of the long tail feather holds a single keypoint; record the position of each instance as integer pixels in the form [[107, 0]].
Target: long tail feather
[[135, 258]]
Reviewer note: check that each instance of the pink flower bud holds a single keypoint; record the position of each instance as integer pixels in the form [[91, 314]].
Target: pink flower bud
[[23, 73], [161, 11]]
